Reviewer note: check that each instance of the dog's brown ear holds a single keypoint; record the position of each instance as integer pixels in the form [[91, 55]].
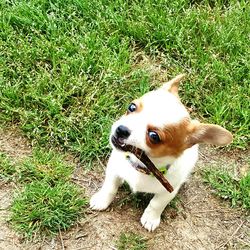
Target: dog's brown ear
[[210, 134], [173, 85]]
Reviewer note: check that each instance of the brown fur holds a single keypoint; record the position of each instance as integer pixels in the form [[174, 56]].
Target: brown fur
[[174, 139], [178, 137]]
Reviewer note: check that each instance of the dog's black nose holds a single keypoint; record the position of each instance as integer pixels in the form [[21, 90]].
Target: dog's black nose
[[122, 132]]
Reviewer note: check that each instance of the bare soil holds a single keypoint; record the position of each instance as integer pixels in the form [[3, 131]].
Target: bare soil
[[200, 221]]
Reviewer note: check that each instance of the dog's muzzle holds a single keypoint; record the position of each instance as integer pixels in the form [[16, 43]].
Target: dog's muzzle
[[120, 135], [122, 132]]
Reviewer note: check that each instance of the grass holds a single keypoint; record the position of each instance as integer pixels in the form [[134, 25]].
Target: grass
[[136, 200], [46, 201], [237, 191], [44, 165], [141, 200], [7, 169], [131, 241], [68, 68], [42, 209]]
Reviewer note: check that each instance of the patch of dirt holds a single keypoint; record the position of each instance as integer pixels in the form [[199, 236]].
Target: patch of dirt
[[14, 144], [201, 220], [154, 66]]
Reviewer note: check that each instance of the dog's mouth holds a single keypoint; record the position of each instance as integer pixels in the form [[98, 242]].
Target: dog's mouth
[[141, 156], [118, 142]]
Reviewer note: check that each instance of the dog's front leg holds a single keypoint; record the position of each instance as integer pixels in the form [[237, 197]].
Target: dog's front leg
[[102, 199], [152, 215]]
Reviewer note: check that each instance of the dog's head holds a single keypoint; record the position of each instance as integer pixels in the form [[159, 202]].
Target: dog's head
[[159, 124]]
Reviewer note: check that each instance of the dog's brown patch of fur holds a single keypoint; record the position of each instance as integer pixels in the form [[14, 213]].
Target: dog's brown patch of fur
[[174, 139]]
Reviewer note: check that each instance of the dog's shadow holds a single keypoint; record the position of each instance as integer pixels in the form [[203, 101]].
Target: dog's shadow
[[139, 201], [134, 200]]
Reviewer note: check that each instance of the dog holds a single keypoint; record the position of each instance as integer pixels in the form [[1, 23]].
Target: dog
[[159, 124]]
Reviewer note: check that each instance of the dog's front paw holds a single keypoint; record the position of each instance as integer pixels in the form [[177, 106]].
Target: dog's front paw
[[100, 201], [150, 221]]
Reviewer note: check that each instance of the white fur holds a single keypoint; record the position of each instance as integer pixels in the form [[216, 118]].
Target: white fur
[[119, 169], [159, 109]]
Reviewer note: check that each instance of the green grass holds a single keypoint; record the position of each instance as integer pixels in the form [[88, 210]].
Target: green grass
[[237, 191], [44, 165], [46, 201], [136, 200], [131, 241], [7, 169], [175, 202], [68, 69], [42, 209]]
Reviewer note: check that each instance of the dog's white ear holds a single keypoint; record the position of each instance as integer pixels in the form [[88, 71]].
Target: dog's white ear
[[210, 134], [173, 85]]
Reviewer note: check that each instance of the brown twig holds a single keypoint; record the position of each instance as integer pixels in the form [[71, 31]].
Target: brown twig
[[190, 200], [141, 155], [61, 239]]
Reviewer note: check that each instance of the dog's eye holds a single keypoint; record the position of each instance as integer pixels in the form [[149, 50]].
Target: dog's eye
[[154, 137], [132, 107]]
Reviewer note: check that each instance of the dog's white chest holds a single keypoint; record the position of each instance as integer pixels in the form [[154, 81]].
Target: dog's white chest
[[139, 182]]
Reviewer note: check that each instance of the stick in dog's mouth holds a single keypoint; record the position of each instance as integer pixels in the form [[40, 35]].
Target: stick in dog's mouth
[[141, 155]]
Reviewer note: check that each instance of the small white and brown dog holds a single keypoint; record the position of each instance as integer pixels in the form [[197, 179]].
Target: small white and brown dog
[[159, 124]]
